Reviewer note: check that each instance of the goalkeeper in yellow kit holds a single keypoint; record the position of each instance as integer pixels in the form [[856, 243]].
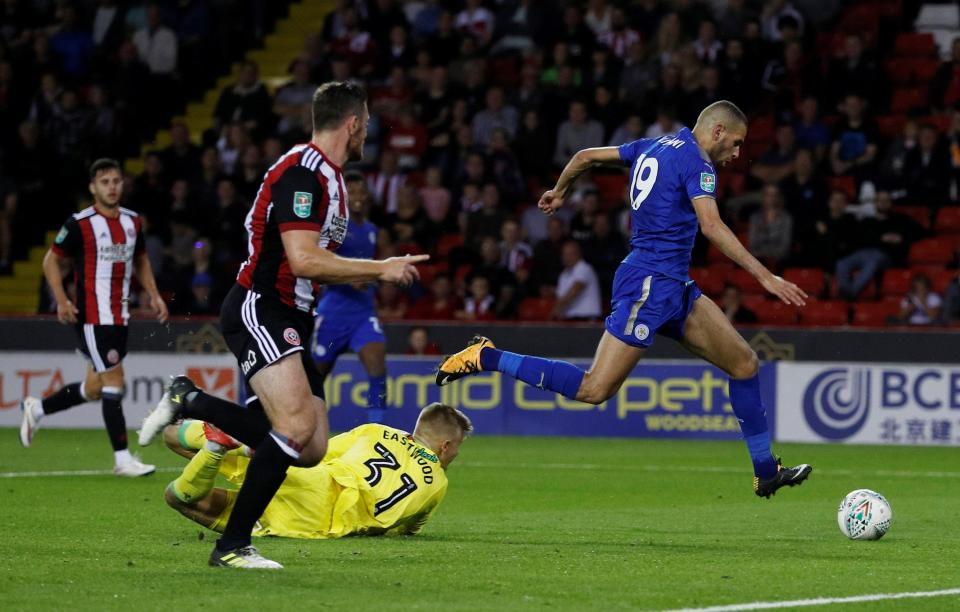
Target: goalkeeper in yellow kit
[[373, 480]]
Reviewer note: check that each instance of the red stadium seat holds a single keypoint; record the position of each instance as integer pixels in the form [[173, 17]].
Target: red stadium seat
[[447, 244], [731, 184], [429, 271], [932, 251], [745, 281], [754, 301], [825, 313], [891, 126], [845, 184], [714, 255], [919, 214], [939, 276], [905, 100], [808, 279], [948, 220], [874, 314], [536, 309], [915, 44], [941, 122], [896, 282], [709, 280], [911, 70], [612, 187], [776, 313]]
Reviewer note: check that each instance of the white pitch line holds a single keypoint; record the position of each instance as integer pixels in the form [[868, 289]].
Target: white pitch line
[[821, 601], [54, 473], [703, 468]]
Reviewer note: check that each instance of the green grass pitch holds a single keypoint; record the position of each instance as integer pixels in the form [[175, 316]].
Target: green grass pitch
[[528, 524]]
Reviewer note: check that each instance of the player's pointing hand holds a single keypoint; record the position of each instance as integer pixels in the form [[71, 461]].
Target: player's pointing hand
[[550, 202], [788, 292], [401, 270]]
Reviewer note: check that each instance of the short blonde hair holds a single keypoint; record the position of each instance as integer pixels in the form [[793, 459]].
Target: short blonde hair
[[444, 417]]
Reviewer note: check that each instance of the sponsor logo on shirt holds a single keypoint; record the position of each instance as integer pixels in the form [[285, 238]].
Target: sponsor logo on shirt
[[115, 252], [708, 182], [302, 204]]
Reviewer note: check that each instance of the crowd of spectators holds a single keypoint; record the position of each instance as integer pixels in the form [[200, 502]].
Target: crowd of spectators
[[475, 107], [82, 79]]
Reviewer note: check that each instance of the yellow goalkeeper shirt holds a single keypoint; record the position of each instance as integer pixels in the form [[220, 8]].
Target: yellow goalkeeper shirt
[[374, 479]]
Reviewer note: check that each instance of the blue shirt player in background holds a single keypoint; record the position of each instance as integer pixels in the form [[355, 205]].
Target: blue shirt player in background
[[345, 313], [672, 185]]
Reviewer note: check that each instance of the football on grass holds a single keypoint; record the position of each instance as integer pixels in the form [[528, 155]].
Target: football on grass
[[864, 515]]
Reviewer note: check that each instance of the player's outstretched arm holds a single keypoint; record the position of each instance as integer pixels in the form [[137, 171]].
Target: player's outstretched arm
[[66, 311], [717, 232], [552, 199], [144, 274], [308, 260]]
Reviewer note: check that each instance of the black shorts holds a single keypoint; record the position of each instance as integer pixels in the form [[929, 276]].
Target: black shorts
[[104, 345], [260, 330]]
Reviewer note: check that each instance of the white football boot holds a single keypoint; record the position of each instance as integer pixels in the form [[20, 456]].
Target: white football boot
[[31, 408]]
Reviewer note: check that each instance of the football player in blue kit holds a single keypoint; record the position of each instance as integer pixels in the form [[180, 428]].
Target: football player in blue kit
[[672, 185], [346, 317]]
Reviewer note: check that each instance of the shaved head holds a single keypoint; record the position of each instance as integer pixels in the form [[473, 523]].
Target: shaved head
[[724, 112], [720, 131]]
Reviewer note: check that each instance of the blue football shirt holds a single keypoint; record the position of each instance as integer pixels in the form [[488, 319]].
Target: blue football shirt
[[343, 300], [665, 175]]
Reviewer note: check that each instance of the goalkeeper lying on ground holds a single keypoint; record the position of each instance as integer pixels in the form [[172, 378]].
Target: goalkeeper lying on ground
[[373, 480]]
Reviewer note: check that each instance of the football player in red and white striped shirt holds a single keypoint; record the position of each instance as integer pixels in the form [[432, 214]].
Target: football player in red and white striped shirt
[[299, 218], [106, 247]]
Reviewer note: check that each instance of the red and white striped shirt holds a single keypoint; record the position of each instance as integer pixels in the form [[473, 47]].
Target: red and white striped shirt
[[103, 249], [303, 190]]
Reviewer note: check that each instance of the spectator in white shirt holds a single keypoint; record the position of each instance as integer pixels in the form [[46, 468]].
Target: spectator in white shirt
[[157, 44], [599, 17], [476, 21], [707, 47], [922, 305], [578, 290]]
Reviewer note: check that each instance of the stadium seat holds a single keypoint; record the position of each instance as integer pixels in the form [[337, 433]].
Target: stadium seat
[[709, 280], [920, 214], [754, 301], [941, 122], [536, 309], [808, 279], [429, 271], [896, 282], [908, 99], [874, 314], [825, 313], [745, 281], [940, 278], [612, 187], [846, 184], [891, 126], [911, 70], [915, 44], [776, 313], [731, 184], [447, 244], [715, 255], [948, 220], [932, 251]]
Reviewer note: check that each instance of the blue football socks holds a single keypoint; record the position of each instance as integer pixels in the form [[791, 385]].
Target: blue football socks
[[377, 399], [747, 405], [559, 376]]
